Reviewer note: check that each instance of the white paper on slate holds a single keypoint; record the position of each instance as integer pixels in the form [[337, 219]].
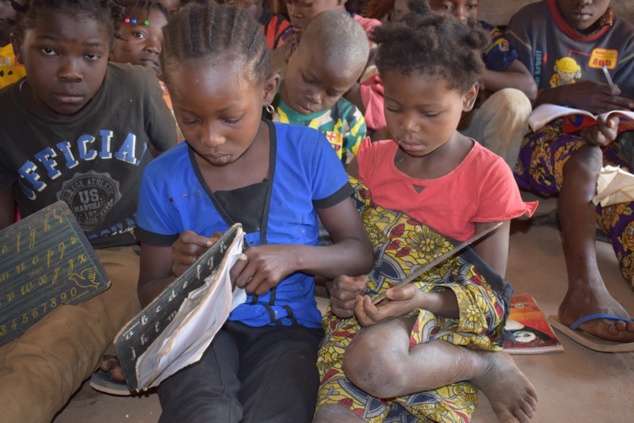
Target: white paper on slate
[[195, 325]]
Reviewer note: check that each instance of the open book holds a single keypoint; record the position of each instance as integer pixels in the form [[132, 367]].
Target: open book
[[574, 119], [175, 329], [529, 329]]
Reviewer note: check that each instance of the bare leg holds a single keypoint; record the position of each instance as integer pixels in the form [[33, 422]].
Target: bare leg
[[394, 369], [586, 293], [336, 413]]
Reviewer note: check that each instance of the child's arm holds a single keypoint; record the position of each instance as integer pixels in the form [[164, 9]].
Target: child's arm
[[7, 208], [603, 133], [494, 248], [350, 253], [161, 265], [515, 76], [594, 96]]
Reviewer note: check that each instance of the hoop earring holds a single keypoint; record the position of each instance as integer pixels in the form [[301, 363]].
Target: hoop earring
[[269, 108]]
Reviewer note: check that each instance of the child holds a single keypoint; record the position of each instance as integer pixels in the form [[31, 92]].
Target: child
[[564, 44], [139, 35], [367, 92], [275, 179], [10, 70], [318, 73], [275, 27], [507, 88], [139, 40], [80, 129], [422, 355]]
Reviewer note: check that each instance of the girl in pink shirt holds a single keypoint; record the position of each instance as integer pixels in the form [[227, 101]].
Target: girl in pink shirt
[[437, 340]]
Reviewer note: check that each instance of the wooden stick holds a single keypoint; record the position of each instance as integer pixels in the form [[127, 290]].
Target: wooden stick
[[439, 260]]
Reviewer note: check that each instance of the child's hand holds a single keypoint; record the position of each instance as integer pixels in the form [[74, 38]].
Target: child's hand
[[603, 133], [265, 266], [344, 291], [593, 96], [402, 300], [187, 248]]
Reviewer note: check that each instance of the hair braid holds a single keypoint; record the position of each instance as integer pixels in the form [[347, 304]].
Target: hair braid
[[29, 11], [432, 44], [209, 31]]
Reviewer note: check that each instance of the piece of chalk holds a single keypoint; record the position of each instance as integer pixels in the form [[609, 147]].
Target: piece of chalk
[[242, 257]]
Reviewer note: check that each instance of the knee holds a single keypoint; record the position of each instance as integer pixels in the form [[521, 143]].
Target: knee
[[584, 164], [375, 364], [513, 101]]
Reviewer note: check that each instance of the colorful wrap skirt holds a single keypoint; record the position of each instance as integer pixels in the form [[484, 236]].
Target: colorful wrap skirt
[[540, 169], [401, 245]]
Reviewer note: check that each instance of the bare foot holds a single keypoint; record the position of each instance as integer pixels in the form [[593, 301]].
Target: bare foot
[[511, 394], [110, 364], [580, 302]]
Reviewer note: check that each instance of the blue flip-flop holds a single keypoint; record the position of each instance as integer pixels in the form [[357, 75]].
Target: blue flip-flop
[[589, 340]]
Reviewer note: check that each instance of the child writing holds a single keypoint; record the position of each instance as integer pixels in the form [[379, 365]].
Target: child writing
[[563, 43], [434, 341], [276, 180], [10, 70], [506, 89], [319, 72], [80, 129]]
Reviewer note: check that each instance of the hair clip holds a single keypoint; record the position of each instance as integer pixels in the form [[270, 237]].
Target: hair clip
[[134, 21]]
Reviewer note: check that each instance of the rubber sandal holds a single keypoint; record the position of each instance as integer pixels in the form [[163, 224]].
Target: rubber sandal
[[102, 381], [589, 340]]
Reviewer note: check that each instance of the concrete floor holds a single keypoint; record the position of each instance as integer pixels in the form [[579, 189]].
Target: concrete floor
[[577, 385]]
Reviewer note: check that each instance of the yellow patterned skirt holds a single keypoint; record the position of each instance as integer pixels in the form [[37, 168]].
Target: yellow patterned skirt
[[402, 244]]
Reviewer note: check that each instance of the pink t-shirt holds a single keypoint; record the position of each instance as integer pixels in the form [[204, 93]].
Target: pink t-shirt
[[480, 189]]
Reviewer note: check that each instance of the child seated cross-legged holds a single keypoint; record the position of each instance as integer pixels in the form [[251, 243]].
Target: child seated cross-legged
[[319, 72], [421, 355], [275, 179], [63, 137]]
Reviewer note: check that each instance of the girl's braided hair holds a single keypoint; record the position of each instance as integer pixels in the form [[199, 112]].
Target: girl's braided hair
[[432, 44], [210, 31], [29, 11]]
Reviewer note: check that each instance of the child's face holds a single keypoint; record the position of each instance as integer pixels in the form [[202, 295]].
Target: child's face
[[582, 14], [461, 9], [313, 83], [172, 6], [301, 12], [217, 109], [65, 62], [7, 14], [138, 43], [421, 112]]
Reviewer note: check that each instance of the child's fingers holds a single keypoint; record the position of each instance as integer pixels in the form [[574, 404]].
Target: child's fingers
[[193, 239], [401, 293]]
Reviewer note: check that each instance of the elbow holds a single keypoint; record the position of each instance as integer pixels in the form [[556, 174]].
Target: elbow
[[531, 91], [366, 261]]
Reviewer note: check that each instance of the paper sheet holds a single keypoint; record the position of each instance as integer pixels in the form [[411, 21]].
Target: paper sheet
[[614, 186]]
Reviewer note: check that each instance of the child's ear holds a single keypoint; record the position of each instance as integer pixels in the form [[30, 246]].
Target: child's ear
[[469, 98], [16, 41], [270, 87]]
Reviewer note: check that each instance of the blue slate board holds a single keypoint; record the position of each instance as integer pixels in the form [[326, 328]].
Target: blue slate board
[[45, 262]]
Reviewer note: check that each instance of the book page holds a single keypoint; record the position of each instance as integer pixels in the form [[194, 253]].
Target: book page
[[545, 113]]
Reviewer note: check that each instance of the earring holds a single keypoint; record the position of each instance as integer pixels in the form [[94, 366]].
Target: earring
[[269, 108]]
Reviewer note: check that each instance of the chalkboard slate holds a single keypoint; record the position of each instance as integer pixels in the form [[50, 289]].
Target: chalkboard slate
[[139, 333], [45, 262]]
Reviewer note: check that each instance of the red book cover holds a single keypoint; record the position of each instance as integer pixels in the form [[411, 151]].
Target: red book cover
[[528, 329]]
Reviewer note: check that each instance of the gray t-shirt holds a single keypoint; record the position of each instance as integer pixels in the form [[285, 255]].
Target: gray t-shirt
[[555, 54], [92, 161]]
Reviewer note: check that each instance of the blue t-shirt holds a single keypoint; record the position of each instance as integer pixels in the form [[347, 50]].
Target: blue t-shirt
[[304, 172]]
